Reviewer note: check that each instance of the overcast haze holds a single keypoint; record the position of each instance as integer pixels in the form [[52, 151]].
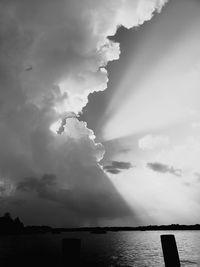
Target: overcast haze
[[99, 111]]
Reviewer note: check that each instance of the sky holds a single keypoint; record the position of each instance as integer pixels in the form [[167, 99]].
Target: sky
[[99, 112]]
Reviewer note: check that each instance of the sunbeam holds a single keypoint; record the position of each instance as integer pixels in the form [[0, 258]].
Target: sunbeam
[[163, 92]]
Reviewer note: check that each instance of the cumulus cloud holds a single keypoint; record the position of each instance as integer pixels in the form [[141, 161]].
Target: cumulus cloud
[[117, 166], [53, 55], [65, 43], [163, 168], [150, 142]]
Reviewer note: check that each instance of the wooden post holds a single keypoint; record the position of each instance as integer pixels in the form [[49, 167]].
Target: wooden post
[[71, 248], [170, 251]]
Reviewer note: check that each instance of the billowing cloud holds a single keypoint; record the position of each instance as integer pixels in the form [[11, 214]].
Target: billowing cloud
[[53, 55], [149, 142], [117, 166], [66, 44], [163, 168]]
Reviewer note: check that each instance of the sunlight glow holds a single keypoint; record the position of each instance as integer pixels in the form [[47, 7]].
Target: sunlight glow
[[160, 198], [164, 95], [55, 126]]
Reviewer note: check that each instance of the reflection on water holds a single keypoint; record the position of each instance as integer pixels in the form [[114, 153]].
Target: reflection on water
[[140, 249]]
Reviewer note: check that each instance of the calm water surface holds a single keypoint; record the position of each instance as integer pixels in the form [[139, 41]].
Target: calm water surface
[[114, 249]]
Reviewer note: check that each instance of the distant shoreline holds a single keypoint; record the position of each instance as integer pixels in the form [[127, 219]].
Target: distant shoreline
[[8, 225], [103, 230], [172, 227]]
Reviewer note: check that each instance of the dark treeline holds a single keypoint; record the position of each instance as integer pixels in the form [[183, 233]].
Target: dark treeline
[[8, 225], [172, 227]]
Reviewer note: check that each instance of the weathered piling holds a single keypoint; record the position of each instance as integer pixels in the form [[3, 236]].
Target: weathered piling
[[71, 248], [170, 251]]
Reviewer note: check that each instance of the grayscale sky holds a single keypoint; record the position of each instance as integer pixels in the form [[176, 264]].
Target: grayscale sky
[[99, 111]]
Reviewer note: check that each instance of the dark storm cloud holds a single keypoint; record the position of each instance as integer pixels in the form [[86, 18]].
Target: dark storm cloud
[[163, 168], [117, 166], [2, 189], [38, 185], [111, 170], [121, 165], [102, 202]]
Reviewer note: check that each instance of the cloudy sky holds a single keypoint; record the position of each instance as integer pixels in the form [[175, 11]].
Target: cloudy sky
[[99, 111]]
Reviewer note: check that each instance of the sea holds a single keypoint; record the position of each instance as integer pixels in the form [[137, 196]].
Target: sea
[[112, 249]]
